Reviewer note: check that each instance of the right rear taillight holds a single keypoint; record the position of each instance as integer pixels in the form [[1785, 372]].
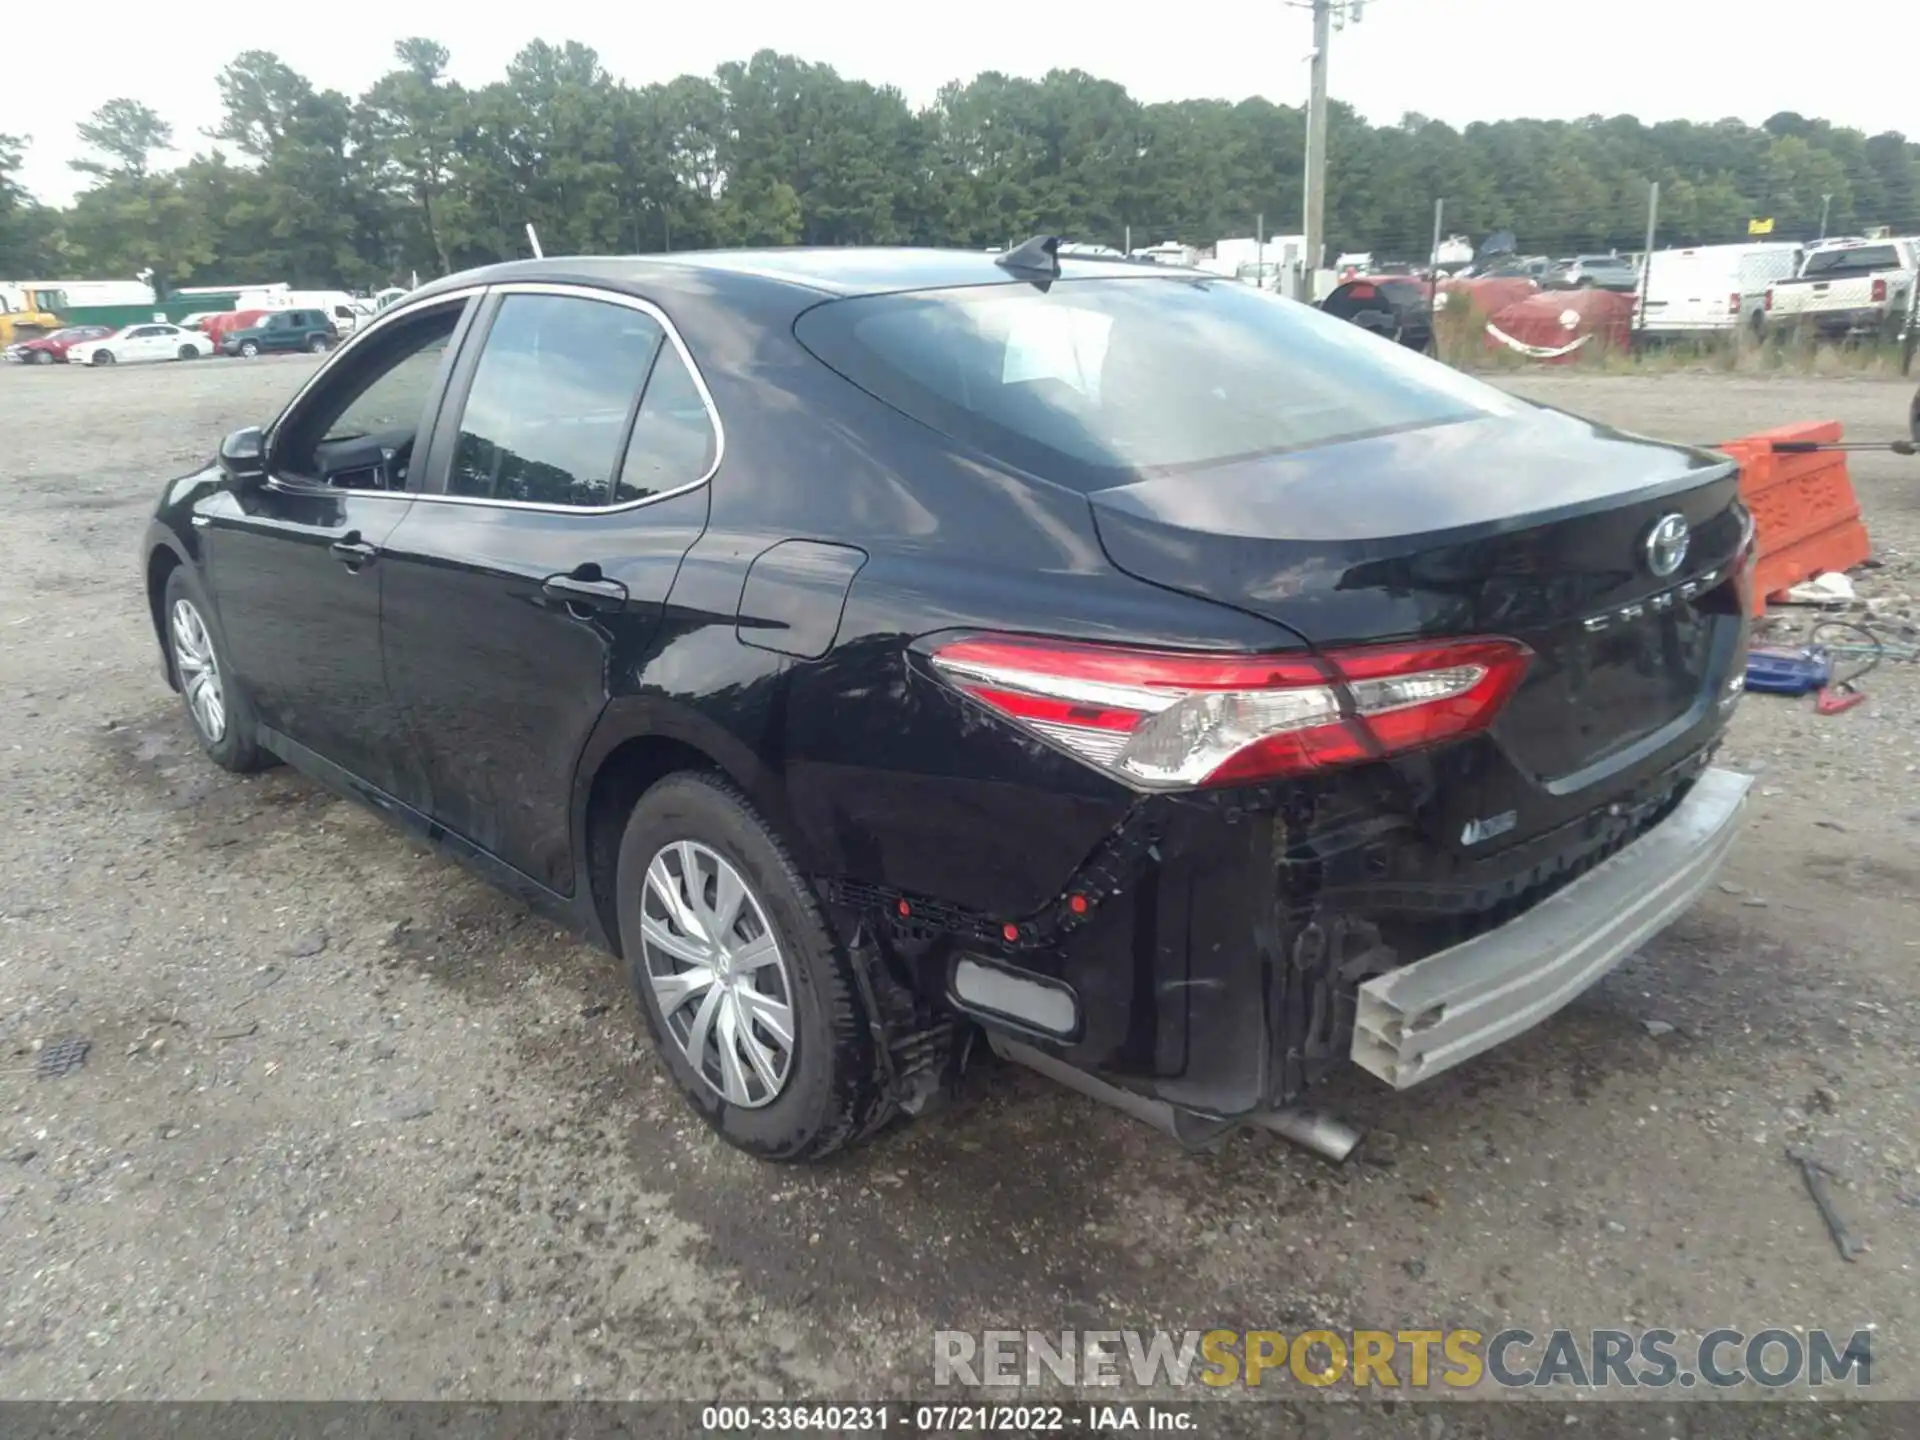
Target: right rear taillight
[[1166, 720], [1767, 302], [1880, 291]]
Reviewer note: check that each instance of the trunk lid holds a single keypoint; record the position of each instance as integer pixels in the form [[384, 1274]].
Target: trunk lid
[[1535, 526]]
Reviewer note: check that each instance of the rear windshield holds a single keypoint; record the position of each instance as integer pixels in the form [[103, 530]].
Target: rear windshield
[[1853, 262], [1091, 382]]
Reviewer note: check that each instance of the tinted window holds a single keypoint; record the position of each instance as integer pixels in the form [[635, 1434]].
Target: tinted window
[[551, 399], [382, 394], [1853, 262], [673, 441], [1095, 379]]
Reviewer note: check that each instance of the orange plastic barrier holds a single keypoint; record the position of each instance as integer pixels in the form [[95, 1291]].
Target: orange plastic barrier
[[1806, 519]]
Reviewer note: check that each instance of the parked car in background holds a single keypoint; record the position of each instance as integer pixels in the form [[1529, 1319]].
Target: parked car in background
[[1708, 289], [1847, 287], [1394, 307], [52, 349], [873, 646], [282, 331], [349, 315], [1592, 272], [218, 326], [1516, 267], [140, 344]]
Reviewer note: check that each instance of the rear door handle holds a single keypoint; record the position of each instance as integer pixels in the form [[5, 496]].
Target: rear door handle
[[581, 593], [353, 552]]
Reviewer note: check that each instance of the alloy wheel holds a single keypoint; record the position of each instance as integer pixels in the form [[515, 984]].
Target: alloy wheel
[[199, 671], [717, 974]]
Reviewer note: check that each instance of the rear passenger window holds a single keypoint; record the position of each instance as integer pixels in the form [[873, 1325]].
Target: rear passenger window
[[550, 400], [673, 441]]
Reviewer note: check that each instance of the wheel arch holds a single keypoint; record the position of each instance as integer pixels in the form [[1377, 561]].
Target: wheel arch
[[638, 742], [162, 561]]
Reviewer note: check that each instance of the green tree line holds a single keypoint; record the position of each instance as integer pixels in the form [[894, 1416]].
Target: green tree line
[[421, 174]]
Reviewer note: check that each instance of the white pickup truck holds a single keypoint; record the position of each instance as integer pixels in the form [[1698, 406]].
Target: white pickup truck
[[1848, 287]]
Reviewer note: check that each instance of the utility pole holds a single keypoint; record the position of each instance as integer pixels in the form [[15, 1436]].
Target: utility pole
[[1433, 255], [1826, 207], [1646, 256], [1315, 224]]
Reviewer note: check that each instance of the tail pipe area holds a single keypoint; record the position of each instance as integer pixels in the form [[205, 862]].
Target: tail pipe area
[[1325, 1136]]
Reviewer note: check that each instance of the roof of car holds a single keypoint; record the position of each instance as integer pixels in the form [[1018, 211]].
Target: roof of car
[[850, 270]]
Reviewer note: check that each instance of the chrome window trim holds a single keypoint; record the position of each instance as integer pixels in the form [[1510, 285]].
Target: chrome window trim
[[659, 317], [345, 348], [396, 311]]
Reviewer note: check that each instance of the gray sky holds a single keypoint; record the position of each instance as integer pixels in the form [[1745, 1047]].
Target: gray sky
[[1457, 60]]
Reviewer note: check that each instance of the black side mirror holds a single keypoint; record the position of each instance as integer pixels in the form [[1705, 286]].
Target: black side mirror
[[243, 455]]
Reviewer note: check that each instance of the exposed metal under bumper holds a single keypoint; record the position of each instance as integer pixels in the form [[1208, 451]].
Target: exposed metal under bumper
[[1435, 1013], [1322, 1134]]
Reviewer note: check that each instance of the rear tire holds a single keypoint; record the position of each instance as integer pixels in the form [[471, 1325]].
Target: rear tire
[[828, 1091], [217, 707]]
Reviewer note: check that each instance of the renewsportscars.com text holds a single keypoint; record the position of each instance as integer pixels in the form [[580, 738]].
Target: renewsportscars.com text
[[1771, 1358]]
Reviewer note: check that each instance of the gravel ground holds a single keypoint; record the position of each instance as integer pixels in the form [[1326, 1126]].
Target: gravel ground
[[354, 1125]]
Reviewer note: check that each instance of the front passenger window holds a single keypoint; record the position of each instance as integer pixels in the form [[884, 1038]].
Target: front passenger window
[[378, 396], [550, 400]]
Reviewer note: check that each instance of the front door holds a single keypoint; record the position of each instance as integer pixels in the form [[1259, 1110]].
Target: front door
[[296, 564], [146, 342], [530, 578]]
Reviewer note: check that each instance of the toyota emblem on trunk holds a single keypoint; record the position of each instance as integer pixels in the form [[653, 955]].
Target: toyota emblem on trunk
[[1667, 544]]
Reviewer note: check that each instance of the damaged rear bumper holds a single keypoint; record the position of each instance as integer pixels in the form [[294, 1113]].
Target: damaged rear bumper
[[1431, 1015]]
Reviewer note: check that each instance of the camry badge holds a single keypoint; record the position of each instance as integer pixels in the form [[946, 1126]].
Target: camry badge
[[1667, 544]]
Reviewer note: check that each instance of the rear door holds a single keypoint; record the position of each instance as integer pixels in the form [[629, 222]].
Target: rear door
[[1692, 290], [532, 577]]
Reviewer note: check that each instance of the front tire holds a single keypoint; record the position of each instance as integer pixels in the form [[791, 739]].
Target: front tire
[[751, 1001], [103, 357], [248, 349], [187, 352], [43, 357], [217, 708], [317, 345]]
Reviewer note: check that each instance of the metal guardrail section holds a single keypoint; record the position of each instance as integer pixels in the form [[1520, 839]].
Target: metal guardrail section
[[1430, 1016]]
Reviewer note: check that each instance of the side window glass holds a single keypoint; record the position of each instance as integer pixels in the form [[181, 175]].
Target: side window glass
[[550, 400], [379, 396], [673, 441]]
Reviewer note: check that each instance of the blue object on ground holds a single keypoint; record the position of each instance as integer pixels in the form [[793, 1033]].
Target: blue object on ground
[[1788, 670]]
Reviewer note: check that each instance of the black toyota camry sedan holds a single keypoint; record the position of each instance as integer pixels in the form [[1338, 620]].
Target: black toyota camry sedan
[[888, 651]]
